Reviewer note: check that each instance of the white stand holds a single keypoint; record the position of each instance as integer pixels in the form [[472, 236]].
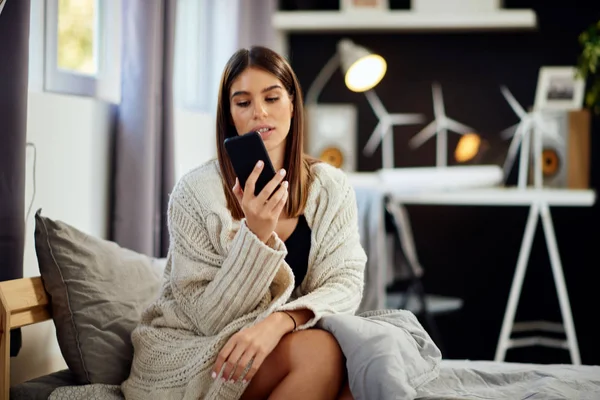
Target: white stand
[[540, 209], [539, 202]]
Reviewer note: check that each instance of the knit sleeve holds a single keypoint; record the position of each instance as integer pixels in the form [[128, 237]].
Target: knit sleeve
[[339, 267], [213, 290]]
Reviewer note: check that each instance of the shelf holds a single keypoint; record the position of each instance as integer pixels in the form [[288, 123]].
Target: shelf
[[402, 20]]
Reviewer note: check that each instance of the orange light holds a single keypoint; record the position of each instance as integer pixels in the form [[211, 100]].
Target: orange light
[[467, 148]]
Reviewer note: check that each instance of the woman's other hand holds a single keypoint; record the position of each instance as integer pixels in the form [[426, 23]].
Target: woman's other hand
[[262, 211], [251, 344]]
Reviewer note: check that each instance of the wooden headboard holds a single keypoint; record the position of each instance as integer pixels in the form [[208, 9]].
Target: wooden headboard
[[22, 302]]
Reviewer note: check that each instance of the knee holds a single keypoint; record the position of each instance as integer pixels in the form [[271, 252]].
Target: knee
[[317, 350]]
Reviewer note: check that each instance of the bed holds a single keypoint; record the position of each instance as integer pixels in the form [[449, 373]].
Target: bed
[[86, 282], [25, 302]]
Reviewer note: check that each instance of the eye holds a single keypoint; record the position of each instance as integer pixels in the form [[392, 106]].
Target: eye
[[272, 99], [242, 103]]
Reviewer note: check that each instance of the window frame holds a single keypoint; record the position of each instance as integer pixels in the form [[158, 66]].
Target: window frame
[[105, 84]]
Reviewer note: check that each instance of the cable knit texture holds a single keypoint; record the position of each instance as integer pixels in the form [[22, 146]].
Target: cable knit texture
[[220, 278]]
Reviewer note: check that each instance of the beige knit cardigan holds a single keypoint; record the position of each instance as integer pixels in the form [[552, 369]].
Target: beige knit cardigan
[[220, 278]]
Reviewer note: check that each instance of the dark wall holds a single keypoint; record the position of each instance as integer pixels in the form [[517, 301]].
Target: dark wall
[[471, 252]]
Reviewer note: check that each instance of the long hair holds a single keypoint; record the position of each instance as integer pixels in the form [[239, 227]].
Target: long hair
[[296, 163]]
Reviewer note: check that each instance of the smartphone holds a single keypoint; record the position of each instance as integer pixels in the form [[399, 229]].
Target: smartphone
[[244, 152]]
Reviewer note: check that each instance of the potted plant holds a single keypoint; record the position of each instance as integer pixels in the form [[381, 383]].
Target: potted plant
[[589, 65]]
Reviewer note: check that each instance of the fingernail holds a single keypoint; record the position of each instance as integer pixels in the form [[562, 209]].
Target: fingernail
[[244, 381], [285, 183], [259, 164], [223, 378], [214, 375], [231, 381], [282, 172]]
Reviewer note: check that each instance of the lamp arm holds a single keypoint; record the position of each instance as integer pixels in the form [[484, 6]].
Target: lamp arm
[[322, 78]]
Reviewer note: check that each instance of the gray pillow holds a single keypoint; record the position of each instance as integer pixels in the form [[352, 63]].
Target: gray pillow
[[98, 291]]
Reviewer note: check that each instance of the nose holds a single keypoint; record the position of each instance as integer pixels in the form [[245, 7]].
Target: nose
[[260, 110]]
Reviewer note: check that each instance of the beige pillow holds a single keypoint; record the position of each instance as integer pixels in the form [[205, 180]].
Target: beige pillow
[[98, 291]]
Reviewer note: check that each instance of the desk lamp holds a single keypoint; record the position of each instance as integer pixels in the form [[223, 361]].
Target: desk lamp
[[332, 127], [363, 70]]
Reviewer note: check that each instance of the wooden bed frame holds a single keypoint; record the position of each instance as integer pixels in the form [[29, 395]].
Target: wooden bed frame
[[22, 302]]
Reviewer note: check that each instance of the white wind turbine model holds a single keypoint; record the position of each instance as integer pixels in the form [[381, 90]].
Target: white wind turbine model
[[383, 132], [531, 126], [439, 126]]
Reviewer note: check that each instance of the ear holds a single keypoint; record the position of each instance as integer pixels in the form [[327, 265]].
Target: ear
[[292, 105]]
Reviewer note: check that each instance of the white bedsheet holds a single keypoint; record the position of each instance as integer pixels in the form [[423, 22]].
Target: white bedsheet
[[463, 379]]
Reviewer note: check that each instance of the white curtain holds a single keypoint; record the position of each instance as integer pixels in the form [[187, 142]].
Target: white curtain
[[239, 24], [208, 33]]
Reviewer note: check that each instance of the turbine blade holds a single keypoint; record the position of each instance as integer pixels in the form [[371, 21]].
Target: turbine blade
[[512, 102], [376, 104], [548, 130], [457, 126], [406, 119], [424, 135], [509, 132], [438, 101], [375, 138]]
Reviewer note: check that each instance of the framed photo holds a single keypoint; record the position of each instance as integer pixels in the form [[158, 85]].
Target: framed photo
[[364, 5], [559, 89]]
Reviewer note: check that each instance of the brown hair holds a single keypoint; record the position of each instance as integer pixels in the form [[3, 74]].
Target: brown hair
[[296, 163]]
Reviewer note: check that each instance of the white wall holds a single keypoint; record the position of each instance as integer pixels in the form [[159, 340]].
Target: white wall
[[194, 140], [72, 136], [72, 139]]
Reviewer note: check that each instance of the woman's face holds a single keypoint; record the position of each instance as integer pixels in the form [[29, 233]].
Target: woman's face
[[259, 102]]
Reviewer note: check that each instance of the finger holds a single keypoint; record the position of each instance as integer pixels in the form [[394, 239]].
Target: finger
[[223, 356], [237, 191], [251, 181], [267, 191], [256, 363], [279, 196], [279, 208], [242, 364], [231, 365]]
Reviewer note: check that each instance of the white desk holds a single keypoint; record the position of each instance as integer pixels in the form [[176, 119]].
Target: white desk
[[539, 202], [499, 197]]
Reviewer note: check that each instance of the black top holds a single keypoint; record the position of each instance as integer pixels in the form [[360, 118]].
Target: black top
[[298, 247]]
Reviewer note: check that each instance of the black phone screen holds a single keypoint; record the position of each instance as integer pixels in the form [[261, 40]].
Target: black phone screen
[[244, 152]]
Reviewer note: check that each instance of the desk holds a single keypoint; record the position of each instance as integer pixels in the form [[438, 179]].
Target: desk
[[539, 202]]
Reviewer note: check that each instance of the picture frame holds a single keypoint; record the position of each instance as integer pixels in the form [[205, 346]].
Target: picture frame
[[364, 5], [559, 89]]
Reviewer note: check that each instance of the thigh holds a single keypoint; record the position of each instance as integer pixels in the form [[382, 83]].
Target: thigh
[[311, 350]]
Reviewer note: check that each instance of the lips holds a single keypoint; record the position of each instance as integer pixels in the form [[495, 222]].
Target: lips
[[264, 131]]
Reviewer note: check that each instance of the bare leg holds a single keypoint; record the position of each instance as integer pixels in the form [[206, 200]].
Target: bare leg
[[345, 393], [304, 365]]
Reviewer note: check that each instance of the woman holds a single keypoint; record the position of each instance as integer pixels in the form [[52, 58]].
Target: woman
[[248, 276]]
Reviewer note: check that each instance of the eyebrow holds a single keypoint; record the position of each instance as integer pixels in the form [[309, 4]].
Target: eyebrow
[[267, 89]]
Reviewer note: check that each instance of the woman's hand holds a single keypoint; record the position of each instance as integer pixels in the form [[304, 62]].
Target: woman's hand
[[262, 212], [251, 344]]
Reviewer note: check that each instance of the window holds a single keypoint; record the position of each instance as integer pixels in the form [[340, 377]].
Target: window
[[205, 37], [83, 48], [77, 37]]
